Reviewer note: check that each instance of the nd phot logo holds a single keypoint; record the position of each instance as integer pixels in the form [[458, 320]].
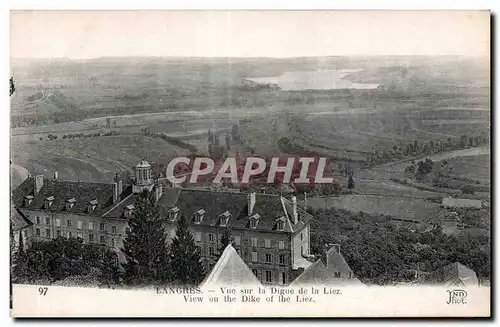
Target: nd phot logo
[[456, 297]]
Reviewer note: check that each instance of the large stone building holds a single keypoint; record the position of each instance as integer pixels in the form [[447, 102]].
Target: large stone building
[[271, 233]]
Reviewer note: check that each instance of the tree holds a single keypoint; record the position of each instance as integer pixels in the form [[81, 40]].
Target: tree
[[225, 239], [145, 243], [186, 259], [350, 183], [110, 270], [20, 262]]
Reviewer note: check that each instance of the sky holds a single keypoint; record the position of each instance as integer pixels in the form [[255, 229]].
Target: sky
[[91, 34]]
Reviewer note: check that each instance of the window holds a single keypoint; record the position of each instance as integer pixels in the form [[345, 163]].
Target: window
[[197, 237], [253, 223], [267, 243], [281, 245], [211, 237], [58, 222], [68, 222], [211, 250], [283, 278], [237, 240], [282, 259], [37, 232], [91, 225], [268, 258], [112, 242], [25, 233], [301, 249], [173, 213], [198, 216], [255, 272], [38, 220], [91, 237], [101, 226], [58, 233], [268, 276], [47, 221], [47, 232], [254, 242], [113, 229], [301, 236], [336, 274], [80, 224], [254, 256], [70, 235], [101, 239], [280, 225]]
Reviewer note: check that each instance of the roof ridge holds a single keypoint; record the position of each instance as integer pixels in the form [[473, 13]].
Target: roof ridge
[[116, 205]]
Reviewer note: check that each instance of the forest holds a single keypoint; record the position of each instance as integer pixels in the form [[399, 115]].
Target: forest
[[381, 253]]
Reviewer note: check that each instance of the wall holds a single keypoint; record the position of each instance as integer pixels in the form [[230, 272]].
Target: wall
[[301, 243], [84, 232]]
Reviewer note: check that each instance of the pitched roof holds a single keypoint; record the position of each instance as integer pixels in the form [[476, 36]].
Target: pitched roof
[[269, 207], [18, 220], [319, 274], [451, 274], [336, 261], [230, 270], [62, 191]]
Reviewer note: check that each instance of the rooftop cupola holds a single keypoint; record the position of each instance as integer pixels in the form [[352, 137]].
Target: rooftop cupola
[[143, 177]]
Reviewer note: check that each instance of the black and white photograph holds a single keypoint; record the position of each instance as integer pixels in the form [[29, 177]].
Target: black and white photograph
[[232, 163]]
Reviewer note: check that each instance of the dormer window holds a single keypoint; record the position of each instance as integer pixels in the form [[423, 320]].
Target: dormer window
[[92, 205], [173, 213], [224, 218], [48, 202], [70, 203], [254, 220], [28, 199], [129, 211], [198, 216], [280, 225]]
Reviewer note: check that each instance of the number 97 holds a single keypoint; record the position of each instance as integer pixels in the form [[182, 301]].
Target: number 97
[[43, 290]]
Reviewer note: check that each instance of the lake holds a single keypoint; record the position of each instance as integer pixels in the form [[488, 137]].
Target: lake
[[315, 80]]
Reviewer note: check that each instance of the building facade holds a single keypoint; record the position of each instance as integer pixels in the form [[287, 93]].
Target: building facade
[[271, 234]]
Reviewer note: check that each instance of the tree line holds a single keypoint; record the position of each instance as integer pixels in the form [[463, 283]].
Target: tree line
[[416, 148]]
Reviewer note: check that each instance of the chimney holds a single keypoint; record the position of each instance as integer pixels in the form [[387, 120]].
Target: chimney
[[38, 184], [115, 192], [295, 215], [120, 187], [56, 174], [158, 192], [251, 202]]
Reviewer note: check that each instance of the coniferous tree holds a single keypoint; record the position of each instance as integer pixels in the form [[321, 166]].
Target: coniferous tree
[[145, 244], [110, 271], [225, 239], [186, 258]]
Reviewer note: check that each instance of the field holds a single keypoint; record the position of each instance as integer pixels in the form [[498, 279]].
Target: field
[[419, 99], [92, 159], [405, 209]]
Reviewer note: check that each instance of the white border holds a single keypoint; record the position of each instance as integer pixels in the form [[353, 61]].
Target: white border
[[180, 4]]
